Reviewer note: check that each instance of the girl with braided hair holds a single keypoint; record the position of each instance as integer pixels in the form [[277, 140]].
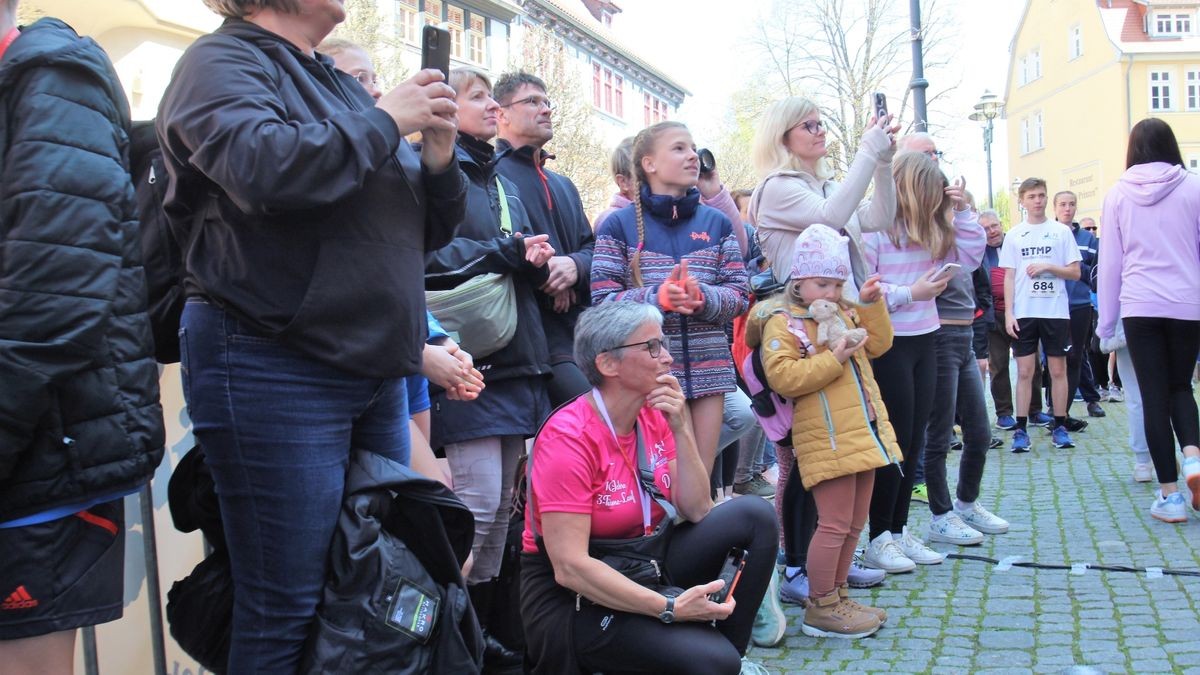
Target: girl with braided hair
[[669, 250]]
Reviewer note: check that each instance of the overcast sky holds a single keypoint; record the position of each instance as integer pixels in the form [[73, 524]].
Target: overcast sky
[[709, 52]]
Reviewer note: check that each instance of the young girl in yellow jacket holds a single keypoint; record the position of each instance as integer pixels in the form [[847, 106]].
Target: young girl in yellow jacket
[[840, 428]]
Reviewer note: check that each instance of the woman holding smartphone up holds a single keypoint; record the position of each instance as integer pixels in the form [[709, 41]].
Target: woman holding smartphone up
[[796, 190]]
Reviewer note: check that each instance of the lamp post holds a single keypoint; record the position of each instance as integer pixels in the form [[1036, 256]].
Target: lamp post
[[919, 83], [986, 110]]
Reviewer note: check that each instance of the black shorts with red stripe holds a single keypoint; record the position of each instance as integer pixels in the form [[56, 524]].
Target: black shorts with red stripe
[[63, 574]]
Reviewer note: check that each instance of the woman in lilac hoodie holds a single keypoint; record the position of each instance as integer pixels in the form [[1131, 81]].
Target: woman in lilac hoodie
[[1150, 280]]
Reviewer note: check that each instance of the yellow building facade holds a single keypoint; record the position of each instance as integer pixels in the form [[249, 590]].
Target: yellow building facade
[[1082, 73]]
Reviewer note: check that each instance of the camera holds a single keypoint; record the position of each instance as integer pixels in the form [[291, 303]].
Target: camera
[[707, 162]]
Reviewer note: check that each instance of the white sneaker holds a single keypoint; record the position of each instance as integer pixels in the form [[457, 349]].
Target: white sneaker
[[884, 554], [915, 550], [1115, 394], [1169, 509], [983, 520], [1143, 472], [950, 529]]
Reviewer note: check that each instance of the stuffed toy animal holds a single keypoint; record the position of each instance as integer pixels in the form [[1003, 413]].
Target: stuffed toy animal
[[830, 325]]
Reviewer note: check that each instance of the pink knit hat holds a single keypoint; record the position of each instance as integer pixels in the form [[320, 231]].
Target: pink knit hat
[[821, 252]]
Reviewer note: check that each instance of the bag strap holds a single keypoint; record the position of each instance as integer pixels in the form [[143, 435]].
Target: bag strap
[[505, 216], [645, 478]]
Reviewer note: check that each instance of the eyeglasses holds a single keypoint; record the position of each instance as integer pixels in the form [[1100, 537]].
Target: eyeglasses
[[367, 79], [653, 345], [935, 155], [813, 127], [534, 101], [1091, 229]]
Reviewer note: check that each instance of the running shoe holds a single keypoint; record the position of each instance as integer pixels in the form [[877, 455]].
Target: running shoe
[[1041, 419], [983, 520], [915, 550], [1143, 472], [1115, 395], [1094, 410], [1169, 509], [920, 493], [863, 577], [1075, 425], [1006, 422], [794, 589], [769, 623], [950, 529], [883, 553], [1020, 441], [1062, 439], [995, 443]]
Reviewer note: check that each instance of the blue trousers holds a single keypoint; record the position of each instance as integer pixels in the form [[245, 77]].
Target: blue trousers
[[277, 427]]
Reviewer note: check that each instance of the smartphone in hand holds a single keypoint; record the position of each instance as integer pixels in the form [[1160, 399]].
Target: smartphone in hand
[[435, 50], [879, 105], [731, 572], [949, 269]]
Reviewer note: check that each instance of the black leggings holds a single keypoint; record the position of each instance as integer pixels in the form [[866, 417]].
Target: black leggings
[[907, 376], [617, 642], [799, 518], [1163, 352]]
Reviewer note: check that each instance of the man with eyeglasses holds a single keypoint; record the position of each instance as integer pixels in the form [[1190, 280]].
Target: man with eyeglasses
[[555, 209], [1079, 294]]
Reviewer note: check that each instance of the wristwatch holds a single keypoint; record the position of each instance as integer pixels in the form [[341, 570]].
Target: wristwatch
[[668, 614]]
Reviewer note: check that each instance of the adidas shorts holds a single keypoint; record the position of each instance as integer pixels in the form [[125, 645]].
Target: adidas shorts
[[63, 574]]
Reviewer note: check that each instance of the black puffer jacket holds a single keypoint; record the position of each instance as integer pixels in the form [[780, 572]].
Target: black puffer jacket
[[310, 214], [79, 410]]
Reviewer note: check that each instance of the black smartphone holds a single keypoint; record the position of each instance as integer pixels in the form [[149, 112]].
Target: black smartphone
[[731, 572], [880, 105], [435, 49]]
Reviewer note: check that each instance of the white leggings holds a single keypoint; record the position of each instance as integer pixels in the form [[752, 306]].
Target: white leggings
[[482, 472]]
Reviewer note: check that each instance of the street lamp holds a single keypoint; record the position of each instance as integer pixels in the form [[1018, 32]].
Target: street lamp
[[986, 110]]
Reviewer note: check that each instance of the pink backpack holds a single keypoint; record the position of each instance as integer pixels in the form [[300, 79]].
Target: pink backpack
[[774, 412]]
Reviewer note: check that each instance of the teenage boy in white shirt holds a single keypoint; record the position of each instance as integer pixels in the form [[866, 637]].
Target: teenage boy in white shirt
[[1039, 256]]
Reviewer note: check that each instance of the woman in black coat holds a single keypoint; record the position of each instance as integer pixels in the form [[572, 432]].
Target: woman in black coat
[[484, 438], [307, 217]]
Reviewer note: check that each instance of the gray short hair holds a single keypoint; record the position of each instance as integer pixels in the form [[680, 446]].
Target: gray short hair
[[990, 213], [236, 9], [606, 326]]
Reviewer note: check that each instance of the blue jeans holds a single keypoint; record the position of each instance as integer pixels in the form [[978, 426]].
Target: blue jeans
[[277, 426]]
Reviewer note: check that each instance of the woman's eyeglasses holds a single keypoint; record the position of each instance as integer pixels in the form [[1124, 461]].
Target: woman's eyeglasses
[[813, 127], [935, 155], [367, 79], [653, 345]]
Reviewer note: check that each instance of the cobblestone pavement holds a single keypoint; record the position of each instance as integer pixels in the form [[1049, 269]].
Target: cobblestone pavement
[[1066, 507]]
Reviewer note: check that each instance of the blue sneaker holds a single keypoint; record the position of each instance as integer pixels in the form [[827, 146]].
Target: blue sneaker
[[1020, 441], [794, 589], [1006, 422], [1041, 419], [1062, 439]]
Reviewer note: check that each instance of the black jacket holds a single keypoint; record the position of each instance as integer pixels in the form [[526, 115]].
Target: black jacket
[[555, 209], [481, 248], [398, 547], [309, 215], [79, 411]]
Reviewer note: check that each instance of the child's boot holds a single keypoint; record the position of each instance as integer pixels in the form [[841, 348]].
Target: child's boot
[[828, 616], [878, 612]]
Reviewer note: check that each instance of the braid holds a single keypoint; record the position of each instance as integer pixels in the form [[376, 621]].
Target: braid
[[635, 263]]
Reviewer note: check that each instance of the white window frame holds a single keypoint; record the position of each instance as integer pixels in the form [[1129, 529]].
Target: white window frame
[[1163, 23], [408, 21], [1024, 135], [1161, 90], [1039, 134], [1191, 89], [1074, 42], [1183, 24]]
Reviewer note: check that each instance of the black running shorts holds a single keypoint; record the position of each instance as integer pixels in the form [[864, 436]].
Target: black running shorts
[[63, 574]]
